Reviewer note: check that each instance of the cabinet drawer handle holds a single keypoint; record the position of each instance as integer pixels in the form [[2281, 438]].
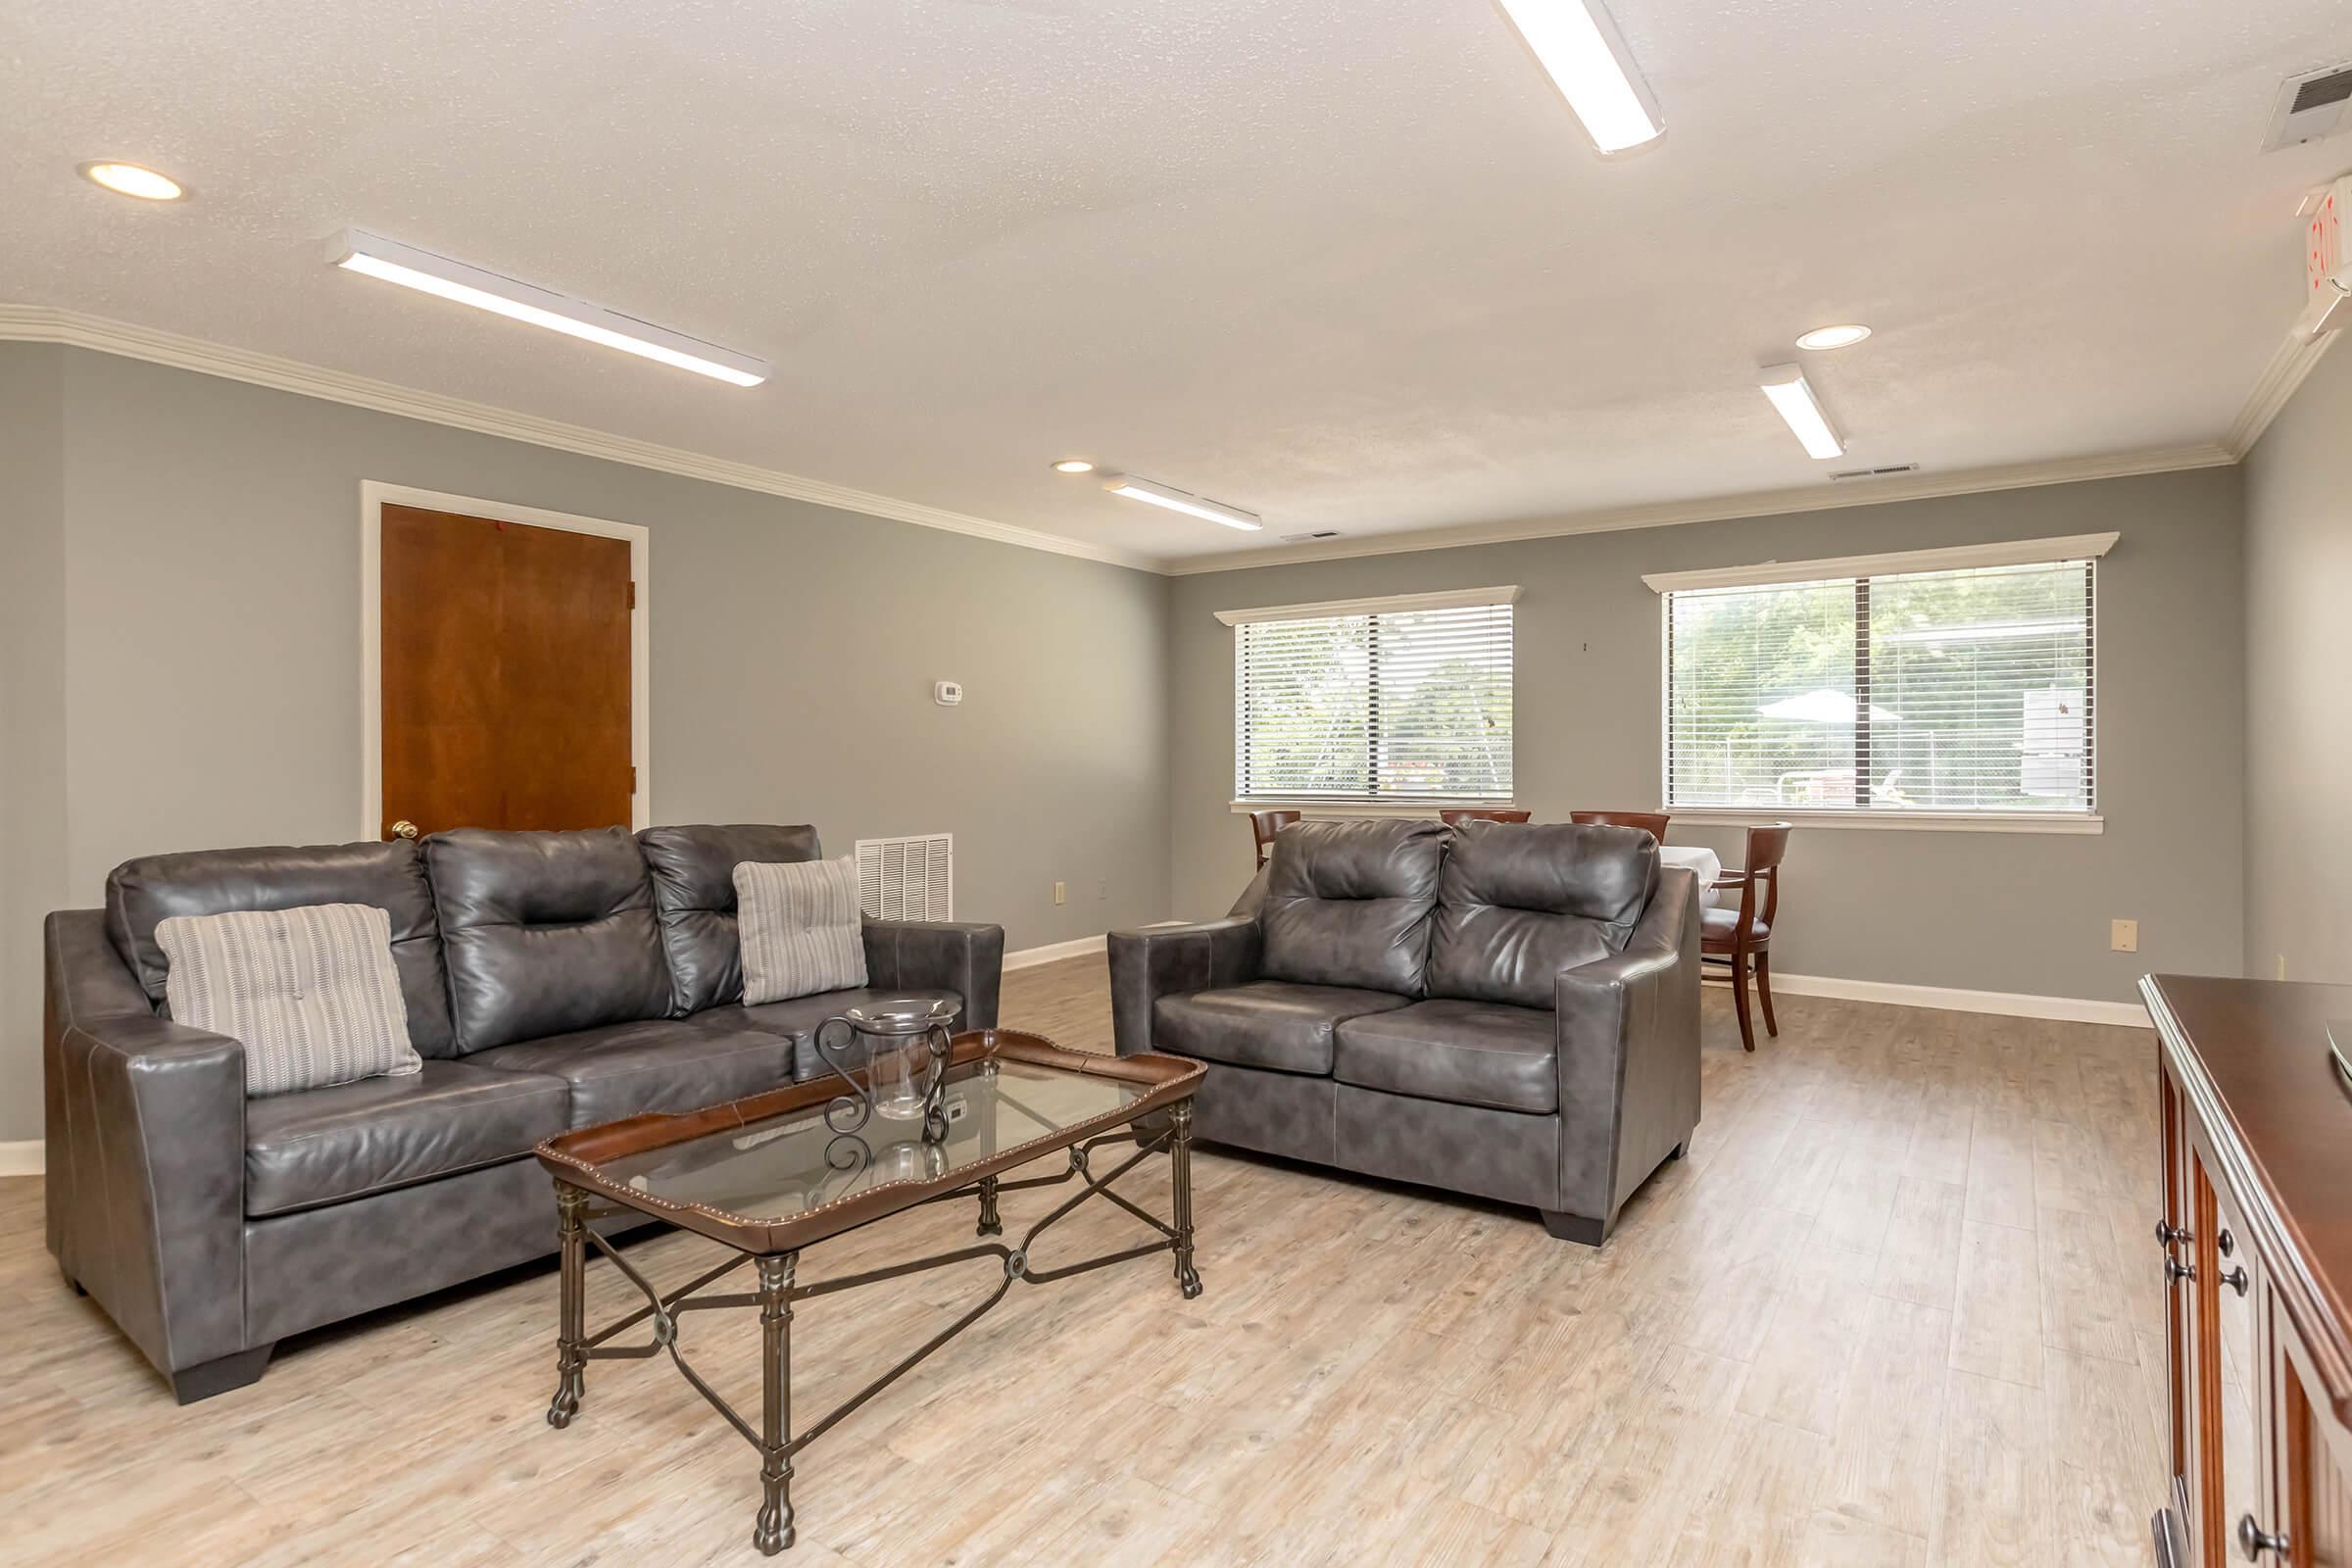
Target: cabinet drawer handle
[[2175, 1271], [2226, 1242], [2236, 1278], [2254, 1541], [2168, 1233]]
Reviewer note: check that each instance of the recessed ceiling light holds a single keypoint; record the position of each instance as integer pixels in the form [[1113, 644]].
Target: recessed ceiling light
[[129, 179], [1578, 47], [1833, 337], [374, 256], [1793, 395], [1175, 500], [1073, 465]]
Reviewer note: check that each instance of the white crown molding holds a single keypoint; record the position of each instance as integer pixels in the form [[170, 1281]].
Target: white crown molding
[[41, 323], [1727, 509], [2291, 361]]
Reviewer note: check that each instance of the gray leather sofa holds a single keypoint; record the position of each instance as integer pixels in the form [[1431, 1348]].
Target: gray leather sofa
[[553, 980], [1500, 1009]]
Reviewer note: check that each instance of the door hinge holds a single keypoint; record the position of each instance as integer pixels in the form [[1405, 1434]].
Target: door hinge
[[632, 596], [632, 781]]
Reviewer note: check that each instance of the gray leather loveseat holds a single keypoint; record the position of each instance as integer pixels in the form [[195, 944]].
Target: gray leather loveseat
[[1500, 1009], [553, 980]]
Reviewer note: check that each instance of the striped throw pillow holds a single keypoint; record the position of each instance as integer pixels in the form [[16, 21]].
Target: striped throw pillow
[[311, 993], [800, 928]]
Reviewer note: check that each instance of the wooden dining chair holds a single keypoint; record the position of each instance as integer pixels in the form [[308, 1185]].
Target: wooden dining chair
[[1743, 937], [1651, 822], [1481, 814], [1263, 826]]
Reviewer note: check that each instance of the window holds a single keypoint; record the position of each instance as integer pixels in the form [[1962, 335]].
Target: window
[[1405, 700], [1938, 683]]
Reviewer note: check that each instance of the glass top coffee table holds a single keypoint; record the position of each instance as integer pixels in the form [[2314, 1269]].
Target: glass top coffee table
[[772, 1175]]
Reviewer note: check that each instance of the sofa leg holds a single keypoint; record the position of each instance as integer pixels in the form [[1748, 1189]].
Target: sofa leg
[[1676, 1153], [71, 1283], [208, 1378], [1576, 1227]]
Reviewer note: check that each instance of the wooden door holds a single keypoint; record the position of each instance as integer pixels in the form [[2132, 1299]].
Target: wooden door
[[506, 674]]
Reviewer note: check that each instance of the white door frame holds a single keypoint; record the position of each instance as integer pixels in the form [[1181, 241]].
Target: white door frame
[[374, 495]]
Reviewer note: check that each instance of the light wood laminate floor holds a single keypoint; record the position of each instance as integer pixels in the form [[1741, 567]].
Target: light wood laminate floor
[[1898, 1306]]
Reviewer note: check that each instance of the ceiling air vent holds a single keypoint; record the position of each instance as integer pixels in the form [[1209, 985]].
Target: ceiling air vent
[[1309, 538], [2313, 104], [1887, 472]]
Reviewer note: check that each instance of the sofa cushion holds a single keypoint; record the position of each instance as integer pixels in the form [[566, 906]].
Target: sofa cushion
[[1464, 1053], [327, 1145], [797, 1019], [1518, 903], [1268, 1023], [620, 1069], [1349, 904], [142, 894], [694, 891], [545, 932]]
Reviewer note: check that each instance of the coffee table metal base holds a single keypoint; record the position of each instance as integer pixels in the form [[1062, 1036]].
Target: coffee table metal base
[[778, 1290]]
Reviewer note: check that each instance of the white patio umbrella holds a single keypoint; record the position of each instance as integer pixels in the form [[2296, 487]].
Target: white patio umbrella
[[1824, 706]]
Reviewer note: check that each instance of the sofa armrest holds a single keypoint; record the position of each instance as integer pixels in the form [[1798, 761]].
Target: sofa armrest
[[1170, 961], [1629, 1053], [152, 1213], [940, 955]]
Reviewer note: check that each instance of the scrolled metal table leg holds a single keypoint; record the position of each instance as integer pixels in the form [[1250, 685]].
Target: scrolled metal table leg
[[991, 1223], [571, 1361], [1180, 1172], [772, 1532]]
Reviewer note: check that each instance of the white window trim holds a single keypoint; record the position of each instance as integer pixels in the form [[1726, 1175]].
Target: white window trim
[[2018, 553], [1449, 598], [1326, 805]]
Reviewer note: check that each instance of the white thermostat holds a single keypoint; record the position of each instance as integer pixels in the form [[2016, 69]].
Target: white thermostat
[[946, 693]]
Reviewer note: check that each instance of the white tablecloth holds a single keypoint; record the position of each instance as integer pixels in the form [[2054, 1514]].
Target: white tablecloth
[[1706, 862]]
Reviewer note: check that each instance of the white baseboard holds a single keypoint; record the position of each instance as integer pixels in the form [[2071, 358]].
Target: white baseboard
[[21, 1158], [1031, 958], [2006, 1003]]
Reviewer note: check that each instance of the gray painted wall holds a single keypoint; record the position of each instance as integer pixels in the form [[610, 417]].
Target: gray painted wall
[[1986, 912], [196, 558], [2298, 698]]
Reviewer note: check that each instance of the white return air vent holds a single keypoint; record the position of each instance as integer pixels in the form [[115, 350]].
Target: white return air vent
[[908, 879], [2313, 104]]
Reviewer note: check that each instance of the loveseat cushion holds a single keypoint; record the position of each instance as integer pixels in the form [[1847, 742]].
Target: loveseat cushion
[[1349, 904], [546, 933], [618, 1070], [142, 894], [795, 1019], [1520, 903], [328, 1146], [1267, 1023], [1464, 1053], [694, 891]]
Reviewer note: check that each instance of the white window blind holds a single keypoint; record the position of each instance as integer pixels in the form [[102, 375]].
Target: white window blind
[[1966, 690], [1406, 704]]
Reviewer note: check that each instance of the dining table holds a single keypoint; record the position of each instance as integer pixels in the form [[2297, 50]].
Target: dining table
[[1692, 857]]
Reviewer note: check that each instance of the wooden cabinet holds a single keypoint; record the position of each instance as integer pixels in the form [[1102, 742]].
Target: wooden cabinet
[[2256, 1244]]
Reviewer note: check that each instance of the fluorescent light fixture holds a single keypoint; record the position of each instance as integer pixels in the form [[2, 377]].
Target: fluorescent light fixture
[[1191, 506], [1073, 465], [374, 256], [1580, 49], [131, 180], [1833, 337], [1793, 395]]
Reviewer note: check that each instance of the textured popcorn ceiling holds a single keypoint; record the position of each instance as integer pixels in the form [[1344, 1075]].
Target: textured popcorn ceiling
[[1346, 263]]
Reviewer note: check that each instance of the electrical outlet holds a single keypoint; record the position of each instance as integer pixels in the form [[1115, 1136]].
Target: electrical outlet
[[1062, 893], [2124, 935]]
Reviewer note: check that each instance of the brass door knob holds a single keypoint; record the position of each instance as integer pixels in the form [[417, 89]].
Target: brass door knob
[[404, 829]]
